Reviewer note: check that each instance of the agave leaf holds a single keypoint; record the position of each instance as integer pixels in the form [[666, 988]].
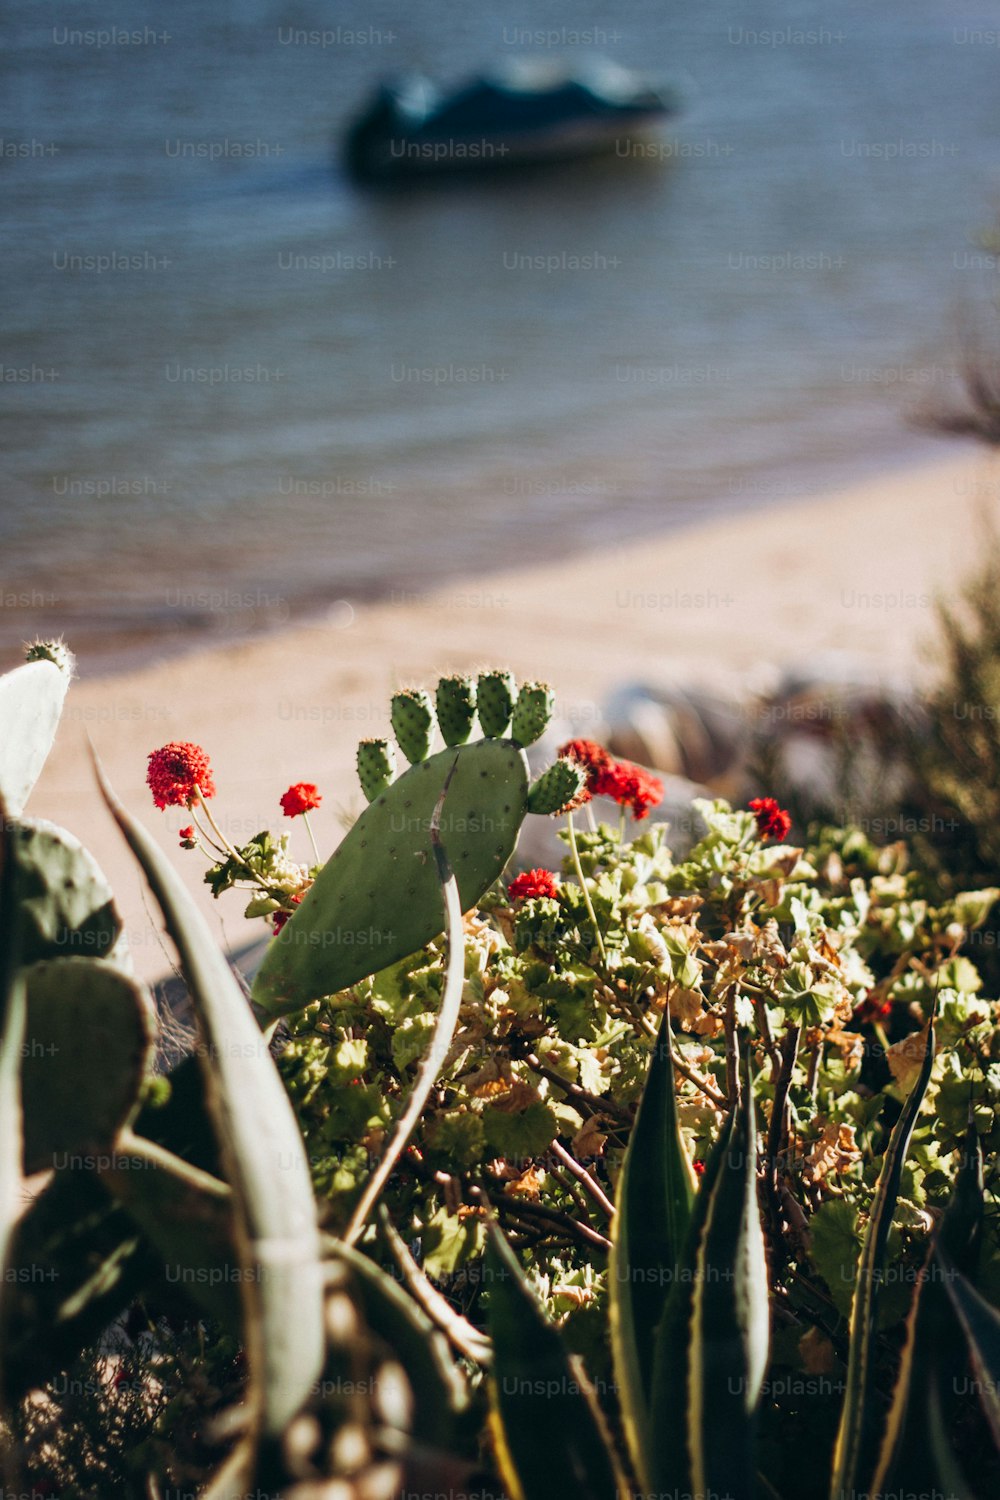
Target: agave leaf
[[980, 1323], [438, 1389], [648, 1232], [730, 1319], [548, 1433], [856, 1433], [933, 1352], [712, 1345], [278, 1247]]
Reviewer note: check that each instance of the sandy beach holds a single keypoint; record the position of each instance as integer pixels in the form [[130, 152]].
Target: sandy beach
[[855, 571]]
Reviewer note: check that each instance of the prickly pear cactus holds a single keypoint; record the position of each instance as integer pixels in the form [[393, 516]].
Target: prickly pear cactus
[[66, 903], [378, 899], [31, 702]]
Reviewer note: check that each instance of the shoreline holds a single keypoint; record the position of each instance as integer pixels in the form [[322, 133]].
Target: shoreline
[[855, 570]]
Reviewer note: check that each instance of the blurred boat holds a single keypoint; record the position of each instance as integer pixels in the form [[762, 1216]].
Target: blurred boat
[[522, 115]]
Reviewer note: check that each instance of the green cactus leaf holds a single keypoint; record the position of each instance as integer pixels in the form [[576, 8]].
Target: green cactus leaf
[[496, 694], [532, 712], [378, 899], [556, 787], [31, 703], [653, 1212], [66, 905], [87, 1046], [376, 767], [412, 719], [456, 709], [549, 1437]]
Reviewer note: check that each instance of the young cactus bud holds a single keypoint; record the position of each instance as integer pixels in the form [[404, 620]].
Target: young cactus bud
[[557, 788], [532, 712], [495, 697], [456, 708], [412, 720], [376, 767], [56, 652]]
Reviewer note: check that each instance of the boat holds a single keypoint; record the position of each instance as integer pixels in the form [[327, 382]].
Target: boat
[[520, 115]]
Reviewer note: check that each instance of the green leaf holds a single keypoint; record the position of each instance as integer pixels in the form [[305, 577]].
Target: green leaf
[[653, 1212], [980, 1323], [522, 1134], [856, 1433], [31, 703], [549, 1437], [712, 1344], [438, 1389], [835, 1243], [265, 1162]]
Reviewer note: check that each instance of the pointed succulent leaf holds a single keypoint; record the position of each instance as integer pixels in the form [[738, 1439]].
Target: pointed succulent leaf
[[549, 1437], [856, 1435], [274, 1213], [648, 1234]]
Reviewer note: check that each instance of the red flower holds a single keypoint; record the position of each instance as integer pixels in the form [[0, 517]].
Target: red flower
[[281, 917], [630, 786], [772, 821], [590, 755], [699, 1168], [188, 838], [178, 773], [533, 883], [872, 1008], [300, 798]]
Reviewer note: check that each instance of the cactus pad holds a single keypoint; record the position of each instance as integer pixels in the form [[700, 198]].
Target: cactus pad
[[532, 712], [412, 720], [31, 702], [66, 903], [496, 694], [557, 787], [376, 767], [86, 1050], [378, 899], [456, 709]]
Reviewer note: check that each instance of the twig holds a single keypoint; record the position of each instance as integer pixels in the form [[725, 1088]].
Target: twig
[[539, 1212], [589, 1184], [596, 1105]]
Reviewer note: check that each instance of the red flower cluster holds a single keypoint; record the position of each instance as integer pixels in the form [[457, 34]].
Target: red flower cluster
[[772, 821], [178, 773], [281, 917], [872, 1008], [533, 883], [300, 798], [627, 784], [699, 1168], [188, 838]]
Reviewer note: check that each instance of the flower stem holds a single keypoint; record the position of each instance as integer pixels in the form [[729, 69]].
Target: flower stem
[[574, 851], [312, 837], [227, 846]]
